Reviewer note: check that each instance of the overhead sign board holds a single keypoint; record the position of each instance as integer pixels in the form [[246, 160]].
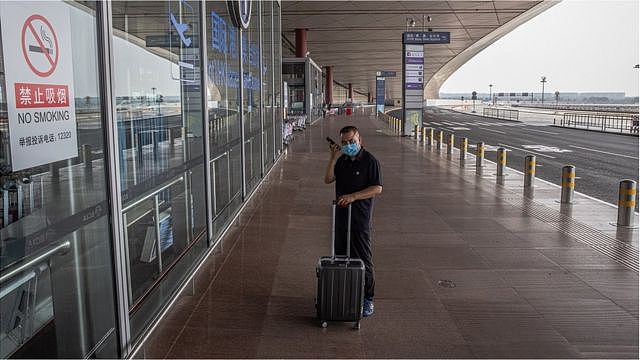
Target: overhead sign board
[[426, 37], [39, 82], [386, 73]]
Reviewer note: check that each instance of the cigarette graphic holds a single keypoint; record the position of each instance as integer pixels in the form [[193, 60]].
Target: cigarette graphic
[[45, 37]]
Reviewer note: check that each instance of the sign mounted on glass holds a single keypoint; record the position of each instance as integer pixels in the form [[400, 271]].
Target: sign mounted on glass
[[183, 15], [39, 78], [240, 11]]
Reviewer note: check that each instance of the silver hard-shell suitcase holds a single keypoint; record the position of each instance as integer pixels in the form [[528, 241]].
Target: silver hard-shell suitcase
[[340, 282]]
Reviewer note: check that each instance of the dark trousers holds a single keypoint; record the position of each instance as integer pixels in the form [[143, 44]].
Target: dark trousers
[[361, 249]]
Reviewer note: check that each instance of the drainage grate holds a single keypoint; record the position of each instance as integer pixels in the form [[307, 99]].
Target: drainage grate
[[446, 283]]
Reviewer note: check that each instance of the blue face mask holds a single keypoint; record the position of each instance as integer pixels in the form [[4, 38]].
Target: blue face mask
[[351, 149]]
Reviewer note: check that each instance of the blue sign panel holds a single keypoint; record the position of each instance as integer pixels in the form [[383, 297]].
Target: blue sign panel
[[426, 37], [380, 91]]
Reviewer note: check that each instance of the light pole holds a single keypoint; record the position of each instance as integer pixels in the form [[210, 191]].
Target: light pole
[[474, 96], [490, 94], [155, 100], [411, 22], [543, 80]]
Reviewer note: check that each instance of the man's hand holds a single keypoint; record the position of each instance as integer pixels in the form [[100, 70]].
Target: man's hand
[[345, 200], [367, 193], [335, 150]]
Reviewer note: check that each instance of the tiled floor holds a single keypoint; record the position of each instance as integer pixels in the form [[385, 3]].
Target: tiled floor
[[523, 288]]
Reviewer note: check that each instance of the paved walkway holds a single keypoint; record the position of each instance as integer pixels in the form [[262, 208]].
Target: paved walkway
[[530, 278]]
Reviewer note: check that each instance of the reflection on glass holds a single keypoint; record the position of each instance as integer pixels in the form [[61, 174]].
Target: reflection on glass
[[223, 103], [159, 123], [251, 104], [56, 290], [277, 53], [267, 82]]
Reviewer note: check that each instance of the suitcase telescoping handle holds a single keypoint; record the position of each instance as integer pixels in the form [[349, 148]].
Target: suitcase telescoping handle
[[333, 231]]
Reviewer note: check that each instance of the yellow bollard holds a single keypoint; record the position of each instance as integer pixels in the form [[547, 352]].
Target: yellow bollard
[[568, 184], [464, 143], [501, 161], [529, 170], [626, 202], [479, 155]]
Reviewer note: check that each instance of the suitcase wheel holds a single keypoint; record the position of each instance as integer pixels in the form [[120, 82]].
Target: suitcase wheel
[[323, 324], [356, 326]]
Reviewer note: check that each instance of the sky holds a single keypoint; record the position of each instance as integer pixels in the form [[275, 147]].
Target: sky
[[579, 45]]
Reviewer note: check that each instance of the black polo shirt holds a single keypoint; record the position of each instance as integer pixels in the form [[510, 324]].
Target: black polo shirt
[[355, 175]]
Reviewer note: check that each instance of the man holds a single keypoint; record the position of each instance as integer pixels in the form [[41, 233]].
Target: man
[[358, 180]]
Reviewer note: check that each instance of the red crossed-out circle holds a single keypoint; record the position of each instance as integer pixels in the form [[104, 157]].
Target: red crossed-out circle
[[28, 24]]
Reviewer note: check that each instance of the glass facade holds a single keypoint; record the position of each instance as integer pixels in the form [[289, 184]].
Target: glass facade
[[340, 94], [277, 73], [174, 121], [267, 51], [304, 84], [223, 104], [56, 290]]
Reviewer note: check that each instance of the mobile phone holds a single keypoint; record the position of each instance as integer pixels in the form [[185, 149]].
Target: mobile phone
[[331, 141]]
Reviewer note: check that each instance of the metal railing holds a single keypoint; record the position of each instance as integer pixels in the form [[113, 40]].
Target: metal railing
[[505, 114], [632, 108], [32, 262], [601, 122]]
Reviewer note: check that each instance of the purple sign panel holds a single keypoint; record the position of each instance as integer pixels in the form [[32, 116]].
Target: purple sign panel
[[413, 86], [414, 60]]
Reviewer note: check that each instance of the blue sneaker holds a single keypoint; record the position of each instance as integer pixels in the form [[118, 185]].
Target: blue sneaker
[[367, 307]]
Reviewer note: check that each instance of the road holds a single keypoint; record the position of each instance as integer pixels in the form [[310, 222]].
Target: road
[[601, 159]]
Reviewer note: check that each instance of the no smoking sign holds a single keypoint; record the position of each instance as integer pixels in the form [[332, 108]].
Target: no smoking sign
[[40, 45], [39, 82]]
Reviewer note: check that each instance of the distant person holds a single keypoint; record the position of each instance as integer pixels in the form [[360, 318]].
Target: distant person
[[358, 180]]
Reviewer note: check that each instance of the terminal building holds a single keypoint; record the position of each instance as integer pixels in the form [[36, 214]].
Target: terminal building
[[136, 136]]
